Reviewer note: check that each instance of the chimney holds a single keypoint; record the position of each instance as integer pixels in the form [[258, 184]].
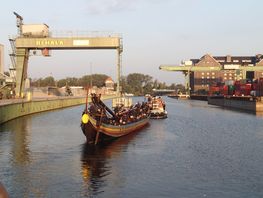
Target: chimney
[[228, 59], [1, 59]]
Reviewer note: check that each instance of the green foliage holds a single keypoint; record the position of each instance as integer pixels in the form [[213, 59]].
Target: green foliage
[[136, 83], [48, 81], [96, 80], [180, 88], [61, 82], [140, 84]]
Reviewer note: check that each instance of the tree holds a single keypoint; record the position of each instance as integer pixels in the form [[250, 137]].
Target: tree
[[72, 81], [138, 84], [48, 81], [155, 84], [180, 88], [172, 86], [61, 82], [96, 80]]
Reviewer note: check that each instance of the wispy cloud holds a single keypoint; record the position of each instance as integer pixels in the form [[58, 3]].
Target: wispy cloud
[[110, 6], [116, 6]]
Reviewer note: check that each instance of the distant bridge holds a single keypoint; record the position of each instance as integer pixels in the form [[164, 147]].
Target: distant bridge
[[163, 91]]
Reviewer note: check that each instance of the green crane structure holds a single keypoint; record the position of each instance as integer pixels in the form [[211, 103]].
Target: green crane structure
[[32, 38]]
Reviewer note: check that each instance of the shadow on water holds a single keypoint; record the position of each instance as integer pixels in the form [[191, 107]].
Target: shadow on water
[[95, 162]]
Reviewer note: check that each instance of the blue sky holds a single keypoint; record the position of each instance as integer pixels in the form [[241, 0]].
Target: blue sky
[[154, 32]]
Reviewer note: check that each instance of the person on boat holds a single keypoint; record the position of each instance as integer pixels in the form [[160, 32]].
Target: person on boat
[[120, 116]]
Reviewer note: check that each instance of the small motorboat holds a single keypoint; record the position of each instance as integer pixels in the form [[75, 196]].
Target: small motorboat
[[157, 107]]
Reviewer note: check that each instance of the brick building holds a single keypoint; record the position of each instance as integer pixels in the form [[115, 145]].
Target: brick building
[[231, 70]]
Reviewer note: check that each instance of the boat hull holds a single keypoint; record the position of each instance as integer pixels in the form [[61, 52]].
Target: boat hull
[[158, 114], [108, 131]]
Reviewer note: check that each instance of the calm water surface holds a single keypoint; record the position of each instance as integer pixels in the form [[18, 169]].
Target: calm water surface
[[199, 151]]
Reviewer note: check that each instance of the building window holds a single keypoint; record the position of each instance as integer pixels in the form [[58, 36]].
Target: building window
[[230, 74], [213, 77], [225, 74], [230, 78], [225, 78], [207, 77], [207, 73], [246, 61], [203, 73], [203, 77], [213, 73]]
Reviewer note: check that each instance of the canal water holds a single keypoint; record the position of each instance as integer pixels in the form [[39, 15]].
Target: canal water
[[198, 151]]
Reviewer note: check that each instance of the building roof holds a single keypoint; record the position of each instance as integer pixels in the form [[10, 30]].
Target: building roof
[[207, 60], [109, 80], [230, 60]]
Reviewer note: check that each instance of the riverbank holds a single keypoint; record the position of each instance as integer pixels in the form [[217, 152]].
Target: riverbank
[[14, 108]]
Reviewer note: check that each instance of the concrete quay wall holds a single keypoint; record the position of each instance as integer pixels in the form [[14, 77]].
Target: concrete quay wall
[[245, 105], [15, 109]]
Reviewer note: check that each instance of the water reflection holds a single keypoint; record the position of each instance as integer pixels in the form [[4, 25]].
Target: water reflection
[[259, 114], [18, 153], [20, 130], [96, 163], [199, 150], [205, 106]]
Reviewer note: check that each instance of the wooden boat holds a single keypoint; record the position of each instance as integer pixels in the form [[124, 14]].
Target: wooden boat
[[157, 107], [99, 123]]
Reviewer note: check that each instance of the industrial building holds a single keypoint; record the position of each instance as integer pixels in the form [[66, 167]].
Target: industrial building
[[2, 76], [1, 59], [232, 68]]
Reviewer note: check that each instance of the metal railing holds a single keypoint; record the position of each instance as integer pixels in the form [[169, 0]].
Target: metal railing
[[81, 34]]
